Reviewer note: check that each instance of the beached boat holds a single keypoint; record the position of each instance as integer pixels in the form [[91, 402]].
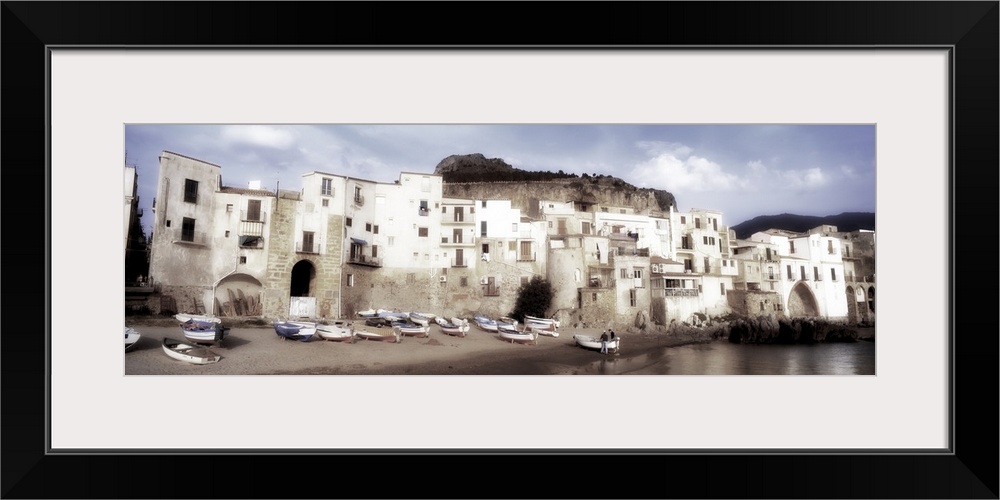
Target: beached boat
[[378, 322], [506, 321], [519, 337], [384, 335], [545, 330], [455, 327], [423, 319], [338, 331], [393, 315], [589, 342], [410, 329], [131, 338], [204, 318], [204, 332], [484, 323], [370, 313], [302, 331], [195, 354], [555, 324]]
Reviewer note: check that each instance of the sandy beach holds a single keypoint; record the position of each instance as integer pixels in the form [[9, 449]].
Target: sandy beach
[[258, 350]]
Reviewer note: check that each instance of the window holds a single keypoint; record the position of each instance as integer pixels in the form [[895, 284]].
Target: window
[[624, 273], [512, 246], [415, 257], [253, 210], [697, 222], [227, 234], [484, 203], [688, 265], [251, 241], [593, 296], [444, 239], [459, 214], [392, 240], [513, 227], [463, 281], [350, 280], [456, 235], [550, 224], [621, 210], [683, 220], [374, 251], [307, 241], [423, 208], [187, 230], [561, 228], [326, 202], [229, 207], [802, 272], [190, 191], [829, 246], [243, 259], [375, 229], [631, 297], [637, 273], [327, 188], [348, 221], [585, 229], [708, 266], [722, 288], [444, 210], [816, 273], [833, 274], [411, 278], [357, 194], [368, 226], [482, 227], [422, 232], [524, 280], [526, 253], [791, 246]]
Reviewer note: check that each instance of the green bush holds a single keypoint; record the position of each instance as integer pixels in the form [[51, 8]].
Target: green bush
[[533, 299]]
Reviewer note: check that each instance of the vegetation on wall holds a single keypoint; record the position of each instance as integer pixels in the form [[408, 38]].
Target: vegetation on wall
[[533, 299]]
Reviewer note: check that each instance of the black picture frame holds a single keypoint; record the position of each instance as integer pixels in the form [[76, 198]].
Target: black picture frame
[[969, 28]]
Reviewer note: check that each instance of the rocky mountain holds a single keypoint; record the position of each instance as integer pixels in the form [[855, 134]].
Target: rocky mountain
[[475, 176], [847, 221]]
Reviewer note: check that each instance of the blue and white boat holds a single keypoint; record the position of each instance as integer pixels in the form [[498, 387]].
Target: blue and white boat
[[302, 331], [485, 323]]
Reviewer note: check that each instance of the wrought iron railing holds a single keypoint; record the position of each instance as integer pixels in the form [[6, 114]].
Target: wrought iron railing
[[314, 248]]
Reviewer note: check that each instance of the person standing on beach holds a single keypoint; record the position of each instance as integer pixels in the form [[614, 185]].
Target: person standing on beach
[[604, 342]]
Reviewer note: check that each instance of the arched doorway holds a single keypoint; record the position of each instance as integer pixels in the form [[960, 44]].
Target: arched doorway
[[301, 302], [856, 305], [303, 273], [871, 299], [238, 295], [802, 302]]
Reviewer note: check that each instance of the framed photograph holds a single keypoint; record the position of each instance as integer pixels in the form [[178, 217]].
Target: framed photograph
[[923, 73]]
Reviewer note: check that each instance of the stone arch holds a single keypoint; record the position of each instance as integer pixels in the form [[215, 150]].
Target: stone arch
[[238, 294], [871, 298], [855, 304], [802, 302], [303, 275]]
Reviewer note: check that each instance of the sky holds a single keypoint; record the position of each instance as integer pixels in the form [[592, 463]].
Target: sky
[[741, 170]]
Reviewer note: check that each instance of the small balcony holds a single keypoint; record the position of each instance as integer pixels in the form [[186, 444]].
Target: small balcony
[[314, 248], [526, 257], [423, 211], [452, 218], [365, 260], [253, 216], [199, 238], [463, 262], [359, 200], [680, 292]]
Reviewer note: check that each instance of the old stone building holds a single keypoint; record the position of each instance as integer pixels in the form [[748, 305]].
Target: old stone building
[[341, 245]]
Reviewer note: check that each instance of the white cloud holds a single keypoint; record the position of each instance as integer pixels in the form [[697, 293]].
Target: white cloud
[[676, 171], [258, 135], [662, 147], [809, 178]]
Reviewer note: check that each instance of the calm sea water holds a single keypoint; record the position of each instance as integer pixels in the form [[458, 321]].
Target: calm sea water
[[724, 358]]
